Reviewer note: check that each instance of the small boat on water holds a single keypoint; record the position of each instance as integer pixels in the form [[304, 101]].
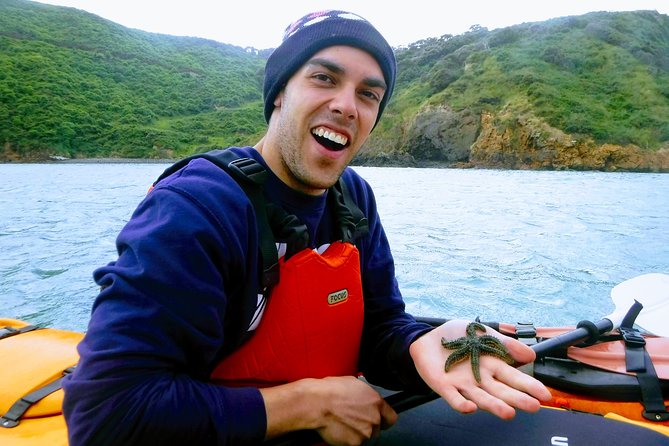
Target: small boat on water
[[609, 381]]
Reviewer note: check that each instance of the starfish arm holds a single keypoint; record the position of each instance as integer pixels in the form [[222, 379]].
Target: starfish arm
[[476, 365], [454, 345], [498, 353], [493, 346], [473, 327], [455, 357]]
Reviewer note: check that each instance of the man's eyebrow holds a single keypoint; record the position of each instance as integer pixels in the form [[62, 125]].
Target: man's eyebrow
[[372, 82]]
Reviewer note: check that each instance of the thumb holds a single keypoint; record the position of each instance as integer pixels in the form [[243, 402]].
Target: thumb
[[388, 416], [521, 353]]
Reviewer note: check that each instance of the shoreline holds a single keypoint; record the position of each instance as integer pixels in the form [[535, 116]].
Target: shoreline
[[355, 163], [94, 161], [115, 161]]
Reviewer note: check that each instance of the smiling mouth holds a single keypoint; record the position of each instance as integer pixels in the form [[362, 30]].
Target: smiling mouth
[[329, 139]]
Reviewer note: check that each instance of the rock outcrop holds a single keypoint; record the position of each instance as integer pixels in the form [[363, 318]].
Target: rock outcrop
[[440, 136], [530, 143]]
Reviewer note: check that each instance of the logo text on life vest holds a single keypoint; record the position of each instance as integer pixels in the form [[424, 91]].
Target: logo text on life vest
[[337, 297]]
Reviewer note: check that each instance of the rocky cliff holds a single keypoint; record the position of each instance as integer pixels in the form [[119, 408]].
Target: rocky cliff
[[439, 136], [529, 143]]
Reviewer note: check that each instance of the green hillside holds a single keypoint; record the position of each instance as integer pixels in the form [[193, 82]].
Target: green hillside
[[600, 75], [75, 85]]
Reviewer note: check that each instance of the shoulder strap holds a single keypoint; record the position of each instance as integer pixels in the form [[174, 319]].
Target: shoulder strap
[[349, 219], [250, 175], [243, 168]]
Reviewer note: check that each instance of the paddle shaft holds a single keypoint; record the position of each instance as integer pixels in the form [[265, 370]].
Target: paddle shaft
[[583, 332]]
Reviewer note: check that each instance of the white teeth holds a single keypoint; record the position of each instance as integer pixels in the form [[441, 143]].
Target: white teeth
[[332, 136]]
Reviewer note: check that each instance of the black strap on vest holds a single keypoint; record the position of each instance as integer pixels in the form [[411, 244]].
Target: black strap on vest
[[349, 219], [250, 175], [639, 361], [13, 416]]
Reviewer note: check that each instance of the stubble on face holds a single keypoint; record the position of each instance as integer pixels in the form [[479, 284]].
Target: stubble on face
[[291, 137]]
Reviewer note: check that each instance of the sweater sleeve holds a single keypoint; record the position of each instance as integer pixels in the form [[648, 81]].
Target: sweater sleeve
[[388, 330], [157, 326]]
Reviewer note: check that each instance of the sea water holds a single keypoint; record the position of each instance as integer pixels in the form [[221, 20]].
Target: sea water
[[510, 246]]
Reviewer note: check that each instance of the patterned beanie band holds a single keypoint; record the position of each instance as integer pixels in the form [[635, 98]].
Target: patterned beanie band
[[319, 30]]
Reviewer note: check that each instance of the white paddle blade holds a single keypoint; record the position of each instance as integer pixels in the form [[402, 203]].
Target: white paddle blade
[[652, 291]]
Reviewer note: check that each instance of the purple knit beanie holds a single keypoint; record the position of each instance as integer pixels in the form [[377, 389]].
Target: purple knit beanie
[[319, 30]]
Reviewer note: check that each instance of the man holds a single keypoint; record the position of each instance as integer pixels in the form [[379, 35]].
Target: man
[[164, 361]]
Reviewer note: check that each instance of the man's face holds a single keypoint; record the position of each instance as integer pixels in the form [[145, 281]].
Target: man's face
[[322, 117]]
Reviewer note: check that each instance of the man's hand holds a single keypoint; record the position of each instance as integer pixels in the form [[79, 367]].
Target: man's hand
[[343, 410], [502, 386]]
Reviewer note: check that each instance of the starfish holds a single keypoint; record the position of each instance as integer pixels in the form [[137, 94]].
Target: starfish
[[474, 346]]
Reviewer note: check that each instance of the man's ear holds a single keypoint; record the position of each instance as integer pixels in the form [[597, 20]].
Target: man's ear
[[278, 98]]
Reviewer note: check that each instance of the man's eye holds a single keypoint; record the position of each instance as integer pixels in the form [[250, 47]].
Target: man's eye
[[323, 77], [371, 95]]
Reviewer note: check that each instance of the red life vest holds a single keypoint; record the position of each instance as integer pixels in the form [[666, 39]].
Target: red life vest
[[312, 324]]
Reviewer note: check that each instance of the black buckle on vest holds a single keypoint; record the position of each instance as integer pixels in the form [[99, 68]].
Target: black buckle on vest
[[248, 168], [270, 276]]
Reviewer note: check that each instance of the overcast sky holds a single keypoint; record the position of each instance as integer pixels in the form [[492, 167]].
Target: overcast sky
[[260, 23]]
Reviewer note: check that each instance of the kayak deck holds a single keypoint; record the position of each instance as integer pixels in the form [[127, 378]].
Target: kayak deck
[[436, 423]]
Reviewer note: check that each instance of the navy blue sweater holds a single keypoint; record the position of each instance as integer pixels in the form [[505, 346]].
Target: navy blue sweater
[[158, 327]]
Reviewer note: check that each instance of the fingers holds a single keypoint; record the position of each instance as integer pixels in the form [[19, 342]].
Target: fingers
[[520, 352], [499, 402], [464, 394], [488, 402], [502, 389], [519, 389], [354, 411], [458, 402], [501, 399], [388, 415]]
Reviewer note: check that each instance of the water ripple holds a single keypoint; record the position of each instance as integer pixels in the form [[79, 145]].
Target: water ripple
[[544, 247], [48, 273]]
